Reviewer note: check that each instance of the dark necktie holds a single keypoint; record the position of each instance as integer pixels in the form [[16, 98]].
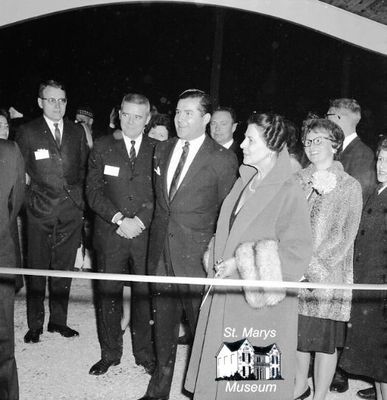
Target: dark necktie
[[132, 153], [179, 169], [57, 134]]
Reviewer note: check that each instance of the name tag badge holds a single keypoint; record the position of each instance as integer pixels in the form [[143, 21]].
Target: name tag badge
[[41, 154], [110, 170]]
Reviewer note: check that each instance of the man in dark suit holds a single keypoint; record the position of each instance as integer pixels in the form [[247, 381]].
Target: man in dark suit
[[358, 161], [11, 198], [119, 190], [222, 127], [193, 174], [357, 158], [55, 154]]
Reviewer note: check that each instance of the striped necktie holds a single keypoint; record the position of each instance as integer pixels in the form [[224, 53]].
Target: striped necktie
[[57, 134], [132, 153], [179, 169]]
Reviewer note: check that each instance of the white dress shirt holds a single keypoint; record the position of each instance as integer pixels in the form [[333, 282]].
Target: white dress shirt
[[52, 127], [194, 146], [348, 139], [128, 145], [228, 144]]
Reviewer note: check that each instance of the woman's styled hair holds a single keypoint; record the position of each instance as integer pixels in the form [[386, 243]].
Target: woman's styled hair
[[160, 120], [274, 134], [336, 134], [382, 145]]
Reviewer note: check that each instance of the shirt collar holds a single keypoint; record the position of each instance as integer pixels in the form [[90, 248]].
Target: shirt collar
[[228, 144], [137, 143], [51, 123], [194, 143], [348, 139]]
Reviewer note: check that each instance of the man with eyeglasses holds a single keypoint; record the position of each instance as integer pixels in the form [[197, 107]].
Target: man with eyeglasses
[[55, 154], [358, 161]]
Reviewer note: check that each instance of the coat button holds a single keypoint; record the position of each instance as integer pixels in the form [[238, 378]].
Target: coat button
[[362, 232], [171, 235], [130, 197], [369, 211]]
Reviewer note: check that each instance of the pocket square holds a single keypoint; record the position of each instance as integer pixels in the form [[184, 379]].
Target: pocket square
[[157, 170]]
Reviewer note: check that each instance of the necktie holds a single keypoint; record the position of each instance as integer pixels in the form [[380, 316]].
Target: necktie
[[132, 154], [57, 134], [179, 169]]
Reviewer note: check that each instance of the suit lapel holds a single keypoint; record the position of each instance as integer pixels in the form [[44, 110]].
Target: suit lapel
[[162, 162], [52, 147], [121, 149]]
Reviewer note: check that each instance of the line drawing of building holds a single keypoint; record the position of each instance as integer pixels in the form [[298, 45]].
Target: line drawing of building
[[241, 360]]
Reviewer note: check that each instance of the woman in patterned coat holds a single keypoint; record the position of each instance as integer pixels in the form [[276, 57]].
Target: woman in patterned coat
[[335, 203]]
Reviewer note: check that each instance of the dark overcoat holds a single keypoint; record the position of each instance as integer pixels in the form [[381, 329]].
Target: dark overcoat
[[365, 352]]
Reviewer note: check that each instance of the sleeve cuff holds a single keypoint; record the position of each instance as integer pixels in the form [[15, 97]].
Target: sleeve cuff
[[117, 216], [142, 226]]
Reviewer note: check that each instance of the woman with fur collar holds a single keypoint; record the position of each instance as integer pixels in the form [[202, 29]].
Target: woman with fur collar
[[263, 233], [335, 203]]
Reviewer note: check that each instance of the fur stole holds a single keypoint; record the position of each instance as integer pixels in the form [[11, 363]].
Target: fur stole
[[260, 261]]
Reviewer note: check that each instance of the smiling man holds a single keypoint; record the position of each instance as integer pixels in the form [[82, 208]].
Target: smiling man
[[55, 154], [193, 174]]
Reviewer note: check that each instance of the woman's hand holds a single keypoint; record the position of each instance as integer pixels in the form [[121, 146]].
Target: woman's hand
[[225, 268]]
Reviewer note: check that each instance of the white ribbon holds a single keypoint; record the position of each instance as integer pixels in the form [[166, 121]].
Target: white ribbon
[[180, 280]]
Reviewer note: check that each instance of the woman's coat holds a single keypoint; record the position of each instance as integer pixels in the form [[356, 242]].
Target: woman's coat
[[277, 210]]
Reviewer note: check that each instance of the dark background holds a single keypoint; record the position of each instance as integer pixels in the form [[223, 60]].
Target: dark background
[[162, 49]]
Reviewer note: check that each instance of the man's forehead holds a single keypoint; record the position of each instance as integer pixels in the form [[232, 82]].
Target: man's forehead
[[52, 89], [221, 115], [188, 104], [129, 106]]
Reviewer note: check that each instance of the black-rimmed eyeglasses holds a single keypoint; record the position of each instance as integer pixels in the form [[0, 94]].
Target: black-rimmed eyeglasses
[[317, 141], [52, 100], [331, 114]]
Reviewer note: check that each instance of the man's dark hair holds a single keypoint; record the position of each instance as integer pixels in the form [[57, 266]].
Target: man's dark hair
[[230, 110], [205, 105], [52, 83]]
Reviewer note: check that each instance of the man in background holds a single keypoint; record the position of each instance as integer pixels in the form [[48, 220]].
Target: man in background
[[222, 127], [55, 155], [358, 161]]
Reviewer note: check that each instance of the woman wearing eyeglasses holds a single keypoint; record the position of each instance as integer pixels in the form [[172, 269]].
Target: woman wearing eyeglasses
[[335, 203]]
